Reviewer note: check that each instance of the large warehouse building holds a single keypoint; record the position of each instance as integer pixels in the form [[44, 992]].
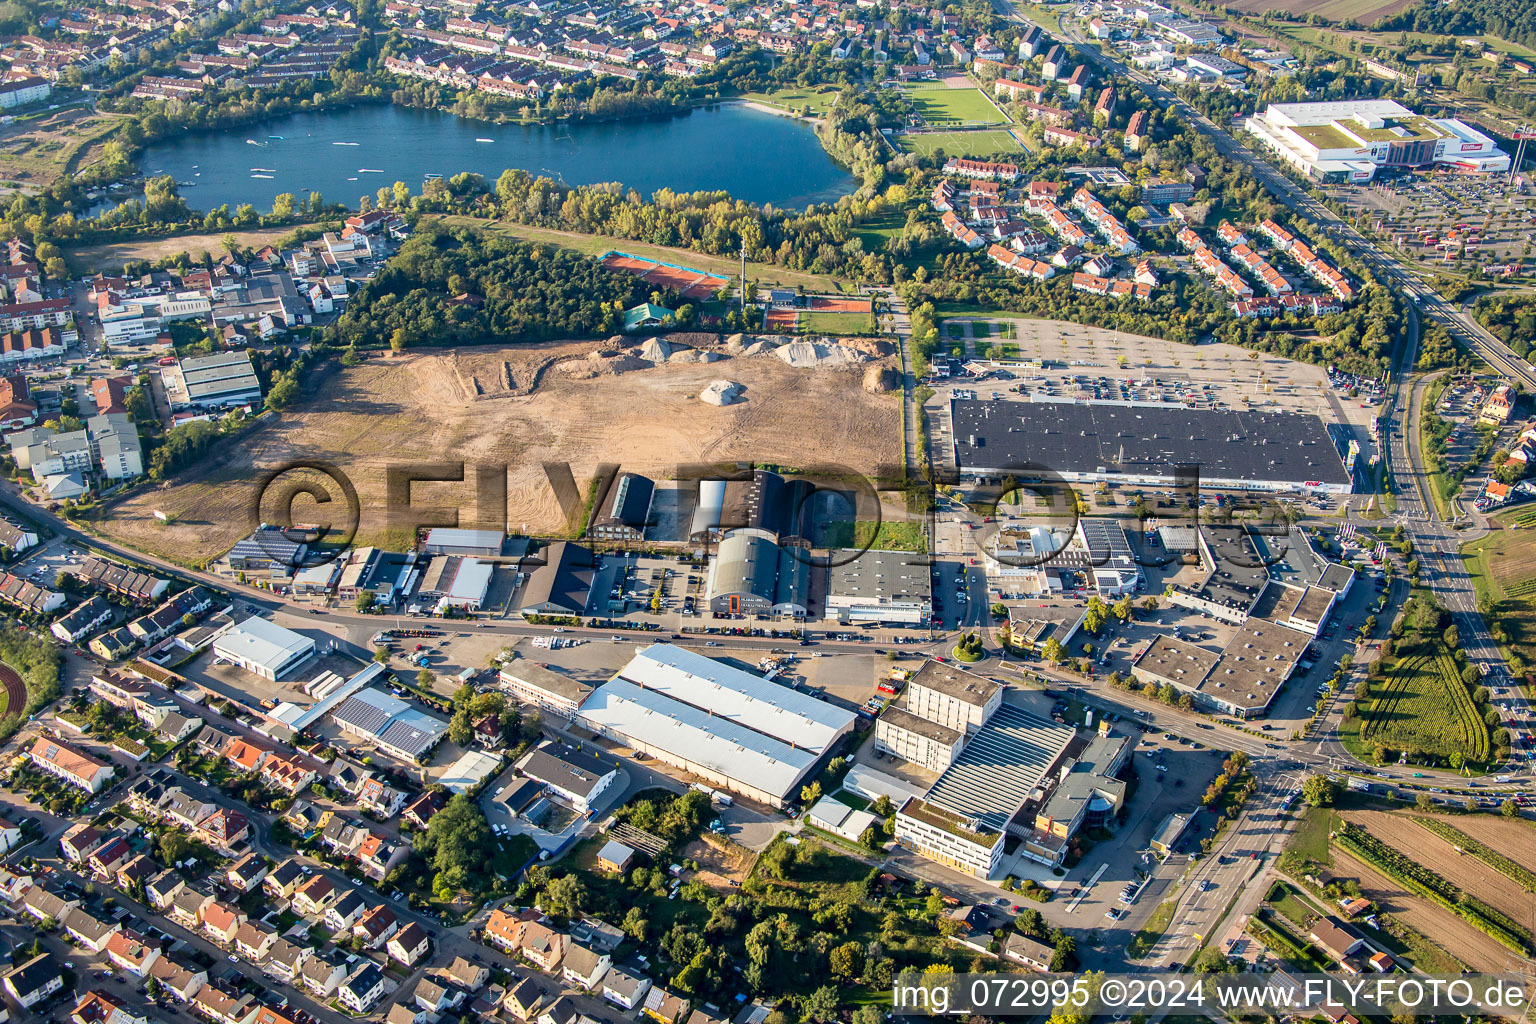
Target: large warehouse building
[[1349, 140], [751, 574], [1086, 442], [729, 727], [263, 648], [892, 587]]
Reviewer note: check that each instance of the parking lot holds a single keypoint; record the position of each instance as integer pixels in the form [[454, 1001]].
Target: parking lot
[[1434, 217]]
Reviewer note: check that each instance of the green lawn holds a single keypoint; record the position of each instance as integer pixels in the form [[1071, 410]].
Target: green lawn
[[1286, 900], [818, 98], [983, 143], [1142, 942], [1503, 570], [883, 536], [835, 323], [939, 103], [880, 230]]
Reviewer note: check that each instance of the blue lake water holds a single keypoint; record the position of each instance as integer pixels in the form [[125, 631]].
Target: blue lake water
[[755, 156]]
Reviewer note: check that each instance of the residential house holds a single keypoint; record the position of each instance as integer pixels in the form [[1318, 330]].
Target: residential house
[[284, 880], [359, 992], [224, 830], [288, 775], [432, 996], [72, 766], [254, 940], [129, 951], [377, 855], [163, 888], [345, 912], [542, 945], [468, 974], [624, 989], [86, 930], [420, 811], [181, 982], [79, 841], [321, 976], [380, 800], [188, 907], [311, 898], [247, 872], [584, 967], [409, 944], [523, 999], [285, 959], [221, 921], [97, 1007], [222, 1007], [34, 981], [664, 1007], [376, 926]]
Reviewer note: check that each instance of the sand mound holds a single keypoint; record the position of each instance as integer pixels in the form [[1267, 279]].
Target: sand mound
[[693, 355], [655, 350], [810, 355], [734, 344], [604, 362], [722, 392], [881, 379]]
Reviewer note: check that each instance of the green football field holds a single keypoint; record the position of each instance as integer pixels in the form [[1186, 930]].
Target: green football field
[[940, 104], [972, 144]]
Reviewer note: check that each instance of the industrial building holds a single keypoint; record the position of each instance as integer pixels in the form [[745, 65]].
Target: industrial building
[[764, 501], [891, 587], [577, 778], [390, 724], [1118, 444], [624, 511], [559, 582], [1037, 560], [263, 648], [453, 581], [532, 683], [466, 543], [1350, 140], [218, 381], [1011, 783], [729, 727], [752, 574]]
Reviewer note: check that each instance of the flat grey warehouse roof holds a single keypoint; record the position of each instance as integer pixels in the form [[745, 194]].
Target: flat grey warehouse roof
[[1081, 437]]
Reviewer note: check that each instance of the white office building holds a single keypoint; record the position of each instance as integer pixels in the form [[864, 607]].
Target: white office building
[[263, 648]]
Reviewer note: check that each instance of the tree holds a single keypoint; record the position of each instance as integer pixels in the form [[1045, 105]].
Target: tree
[[820, 1005], [1319, 791], [1424, 802], [366, 600], [381, 655], [1054, 652], [425, 679], [461, 730], [564, 897], [457, 845], [1509, 809], [847, 961], [635, 924], [1064, 955]]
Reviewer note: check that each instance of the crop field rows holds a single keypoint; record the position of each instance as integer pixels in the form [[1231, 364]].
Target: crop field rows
[[1424, 706]]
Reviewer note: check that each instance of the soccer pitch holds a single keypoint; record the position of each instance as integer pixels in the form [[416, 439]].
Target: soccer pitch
[[970, 144], [941, 104]]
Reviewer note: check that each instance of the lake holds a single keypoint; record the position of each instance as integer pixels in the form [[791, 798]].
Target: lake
[[344, 154]]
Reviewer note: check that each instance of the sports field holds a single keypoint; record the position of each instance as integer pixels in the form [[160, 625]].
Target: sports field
[[973, 144], [939, 104], [835, 323], [686, 281]]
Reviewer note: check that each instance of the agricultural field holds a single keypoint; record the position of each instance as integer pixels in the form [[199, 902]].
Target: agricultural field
[[1417, 850], [1363, 11], [1503, 570], [816, 98], [978, 144], [520, 406], [39, 150], [1422, 706], [939, 103]]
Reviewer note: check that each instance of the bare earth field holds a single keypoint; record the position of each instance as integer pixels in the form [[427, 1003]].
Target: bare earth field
[[1363, 11], [112, 255], [517, 407], [1467, 872], [1514, 839], [1445, 929]]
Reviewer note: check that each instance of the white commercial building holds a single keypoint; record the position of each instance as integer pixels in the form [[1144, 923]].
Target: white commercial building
[[729, 727], [952, 698], [1350, 140], [263, 648], [213, 382]]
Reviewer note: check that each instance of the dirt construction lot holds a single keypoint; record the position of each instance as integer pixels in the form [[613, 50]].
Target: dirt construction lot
[[112, 255], [520, 407], [1473, 947]]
